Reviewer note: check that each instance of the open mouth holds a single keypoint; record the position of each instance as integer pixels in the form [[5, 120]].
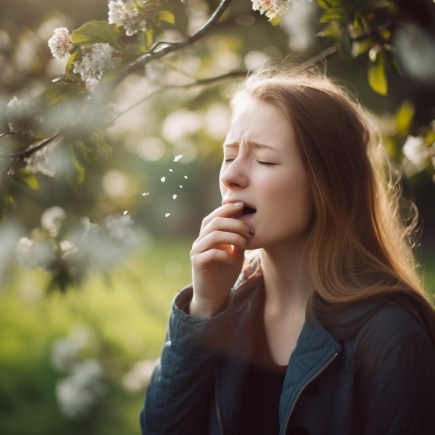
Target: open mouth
[[248, 210]]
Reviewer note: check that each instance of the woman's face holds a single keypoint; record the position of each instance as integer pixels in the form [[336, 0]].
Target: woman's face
[[262, 167]]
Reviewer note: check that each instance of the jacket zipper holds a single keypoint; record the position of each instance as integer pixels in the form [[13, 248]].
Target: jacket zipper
[[320, 371], [218, 413]]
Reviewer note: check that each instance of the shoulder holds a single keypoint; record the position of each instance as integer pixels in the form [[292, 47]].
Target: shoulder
[[392, 336], [389, 323]]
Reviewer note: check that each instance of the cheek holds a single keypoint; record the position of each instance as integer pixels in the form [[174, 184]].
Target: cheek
[[295, 199]]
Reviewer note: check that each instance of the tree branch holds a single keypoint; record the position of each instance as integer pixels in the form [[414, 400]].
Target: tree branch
[[29, 152], [323, 55], [201, 82], [174, 46]]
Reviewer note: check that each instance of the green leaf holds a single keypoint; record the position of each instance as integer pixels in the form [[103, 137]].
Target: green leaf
[[59, 91], [323, 4], [360, 47], [31, 181], [429, 139], [133, 50], [24, 176], [332, 30], [95, 31], [149, 37], [386, 35], [275, 21], [377, 77], [80, 169], [404, 117], [333, 14], [167, 16]]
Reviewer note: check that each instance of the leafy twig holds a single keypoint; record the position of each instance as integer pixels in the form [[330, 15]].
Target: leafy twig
[[30, 151], [174, 46]]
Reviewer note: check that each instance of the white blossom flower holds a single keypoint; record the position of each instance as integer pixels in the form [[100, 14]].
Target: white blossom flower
[[31, 253], [77, 393], [139, 376], [52, 219], [415, 50], [67, 247], [20, 116], [24, 251], [94, 62], [299, 23], [14, 104], [130, 19], [14, 109], [107, 245], [60, 43], [118, 13], [119, 229], [270, 8], [64, 354], [414, 150], [40, 161]]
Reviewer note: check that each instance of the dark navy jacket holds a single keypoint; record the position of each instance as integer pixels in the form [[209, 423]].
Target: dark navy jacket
[[380, 379]]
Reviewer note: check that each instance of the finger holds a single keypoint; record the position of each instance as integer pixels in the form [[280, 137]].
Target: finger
[[228, 225], [218, 240], [226, 210], [201, 261]]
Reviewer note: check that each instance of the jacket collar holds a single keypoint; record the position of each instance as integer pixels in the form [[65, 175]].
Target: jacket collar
[[316, 348]]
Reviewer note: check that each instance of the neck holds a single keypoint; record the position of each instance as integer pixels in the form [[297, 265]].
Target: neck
[[286, 278]]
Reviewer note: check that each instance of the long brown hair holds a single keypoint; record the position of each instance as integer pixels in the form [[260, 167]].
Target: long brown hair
[[359, 249]]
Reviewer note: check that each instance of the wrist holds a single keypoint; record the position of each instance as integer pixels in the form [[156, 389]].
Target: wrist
[[202, 308]]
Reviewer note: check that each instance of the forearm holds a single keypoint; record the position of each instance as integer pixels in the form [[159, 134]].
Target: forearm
[[178, 396]]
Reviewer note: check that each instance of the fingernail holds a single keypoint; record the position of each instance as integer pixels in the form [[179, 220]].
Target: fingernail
[[238, 204], [251, 231]]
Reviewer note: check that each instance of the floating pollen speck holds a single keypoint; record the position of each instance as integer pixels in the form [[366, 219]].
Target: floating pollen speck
[[163, 179], [178, 157], [181, 186], [145, 194], [171, 170], [167, 215], [125, 212], [174, 196], [186, 177]]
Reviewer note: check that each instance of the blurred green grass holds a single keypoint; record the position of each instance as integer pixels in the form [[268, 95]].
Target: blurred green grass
[[127, 313]]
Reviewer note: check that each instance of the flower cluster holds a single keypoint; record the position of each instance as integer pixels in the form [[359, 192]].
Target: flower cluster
[[271, 8], [41, 161], [104, 246], [83, 387], [60, 43], [129, 18], [34, 253], [95, 60], [79, 392], [417, 154], [22, 117]]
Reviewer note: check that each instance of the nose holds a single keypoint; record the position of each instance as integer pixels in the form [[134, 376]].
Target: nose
[[233, 175]]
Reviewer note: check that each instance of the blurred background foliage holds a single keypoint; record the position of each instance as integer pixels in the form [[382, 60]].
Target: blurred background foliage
[[103, 187]]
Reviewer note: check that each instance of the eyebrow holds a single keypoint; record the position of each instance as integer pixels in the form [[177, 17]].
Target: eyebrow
[[251, 144]]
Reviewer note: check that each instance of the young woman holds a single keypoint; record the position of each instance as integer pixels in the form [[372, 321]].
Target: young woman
[[327, 330]]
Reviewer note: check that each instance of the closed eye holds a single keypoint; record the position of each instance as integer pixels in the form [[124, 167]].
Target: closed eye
[[260, 162]]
